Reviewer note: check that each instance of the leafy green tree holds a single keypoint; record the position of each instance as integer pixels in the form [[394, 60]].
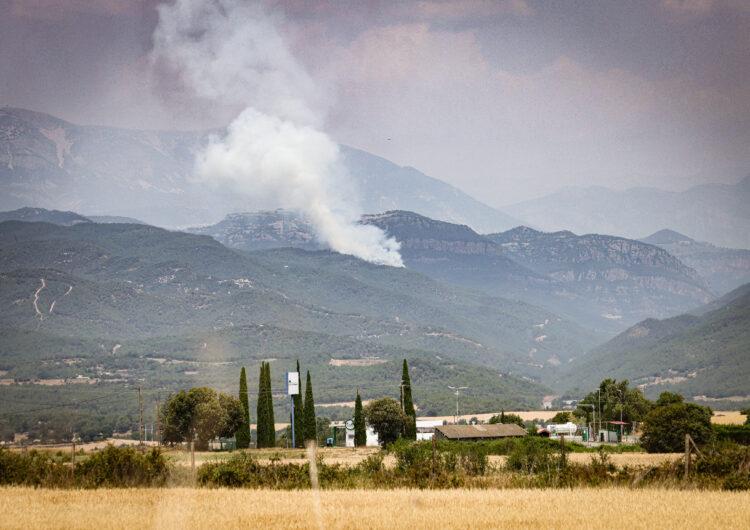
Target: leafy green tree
[[410, 427], [561, 417], [270, 421], [615, 397], [201, 415], [507, 418], [360, 428], [664, 428], [746, 412], [668, 398], [309, 424], [387, 418], [243, 433], [299, 430]]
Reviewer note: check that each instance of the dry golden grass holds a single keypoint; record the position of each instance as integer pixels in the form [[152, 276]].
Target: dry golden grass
[[191, 508], [728, 417], [618, 459]]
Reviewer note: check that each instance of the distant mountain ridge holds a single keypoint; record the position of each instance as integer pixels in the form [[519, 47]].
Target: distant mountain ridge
[[717, 213], [149, 175], [602, 282], [723, 268]]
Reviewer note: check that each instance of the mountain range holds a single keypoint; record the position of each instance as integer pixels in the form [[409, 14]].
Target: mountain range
[[149, 175], [603, 282], [723, 268], [717, 213], [160, 295]]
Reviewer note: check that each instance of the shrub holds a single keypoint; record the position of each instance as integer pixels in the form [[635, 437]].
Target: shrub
[[532, 455], [123, 467]]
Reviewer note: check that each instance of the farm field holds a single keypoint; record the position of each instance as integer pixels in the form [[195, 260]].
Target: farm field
[[190, 508]]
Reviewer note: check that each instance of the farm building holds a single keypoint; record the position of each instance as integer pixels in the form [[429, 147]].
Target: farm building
[[471, 433]]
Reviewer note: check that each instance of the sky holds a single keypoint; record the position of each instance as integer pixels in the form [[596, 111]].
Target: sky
[[507, 99]]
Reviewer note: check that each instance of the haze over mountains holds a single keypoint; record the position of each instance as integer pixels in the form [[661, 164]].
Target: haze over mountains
[[149, 175], [717, 213], [482, 293], [602, 282]]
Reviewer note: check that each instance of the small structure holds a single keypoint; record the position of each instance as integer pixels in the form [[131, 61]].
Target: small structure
[[426, 428], [473, 433]]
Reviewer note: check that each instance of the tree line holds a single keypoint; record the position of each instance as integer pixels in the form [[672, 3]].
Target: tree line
[[202, 414]]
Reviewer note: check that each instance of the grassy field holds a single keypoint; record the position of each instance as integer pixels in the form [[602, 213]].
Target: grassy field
[[189, 508]]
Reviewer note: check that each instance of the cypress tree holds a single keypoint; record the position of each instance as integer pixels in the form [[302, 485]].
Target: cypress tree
[[360, 429], [261, 409], [243, 433], [410, 428], [310, 428], [299, 430], [270, 423]]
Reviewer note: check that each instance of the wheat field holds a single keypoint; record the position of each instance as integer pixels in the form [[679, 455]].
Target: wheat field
[[199, 508]]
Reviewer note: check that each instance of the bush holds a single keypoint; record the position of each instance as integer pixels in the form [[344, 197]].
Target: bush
[[736, 433], [123, 467], [532, 455]]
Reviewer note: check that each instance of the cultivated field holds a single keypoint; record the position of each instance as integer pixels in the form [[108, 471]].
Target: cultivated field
[[190, 508]]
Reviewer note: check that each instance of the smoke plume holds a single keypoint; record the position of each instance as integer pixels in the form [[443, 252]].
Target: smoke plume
[[232, 52]]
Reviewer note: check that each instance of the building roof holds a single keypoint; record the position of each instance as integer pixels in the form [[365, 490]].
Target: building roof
[[498, 430]]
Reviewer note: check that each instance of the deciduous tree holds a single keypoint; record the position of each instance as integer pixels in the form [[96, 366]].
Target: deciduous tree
[[387, 418]]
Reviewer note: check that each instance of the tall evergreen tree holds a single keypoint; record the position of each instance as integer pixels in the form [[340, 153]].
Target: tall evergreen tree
[[310, 427], [261, 409], [360, 429], [270, 422], [299, 431], [410, 427], [243, 433]]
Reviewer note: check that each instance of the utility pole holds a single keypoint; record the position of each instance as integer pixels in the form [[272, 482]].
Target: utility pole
[[457, 389], [402, 396], [599, 390], [140, 415]]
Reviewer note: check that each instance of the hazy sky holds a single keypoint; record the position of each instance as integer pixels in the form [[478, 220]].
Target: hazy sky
[[506, 99]]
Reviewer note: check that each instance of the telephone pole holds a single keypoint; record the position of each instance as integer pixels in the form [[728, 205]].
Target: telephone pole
[[140, 415], [457, 389]]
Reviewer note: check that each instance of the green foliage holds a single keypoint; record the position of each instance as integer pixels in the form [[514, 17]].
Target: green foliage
[[360, 428], [668, 398], [201, 415], [739, 434], [410, 427], [299, 420], [270, 420], [532, 455], [615, 400], [112, 468], [387, 418], [507, 418], [665, 427], [746, 412], [243, 433], [561, 417], [685, 346], [309, 424]]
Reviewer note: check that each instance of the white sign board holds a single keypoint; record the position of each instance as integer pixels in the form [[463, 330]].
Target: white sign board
[[292, 383]]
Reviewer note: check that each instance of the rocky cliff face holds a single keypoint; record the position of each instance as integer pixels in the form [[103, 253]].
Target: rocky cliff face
[[723, 268], [261, 230]]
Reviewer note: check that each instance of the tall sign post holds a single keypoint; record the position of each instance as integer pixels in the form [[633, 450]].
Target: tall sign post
[[292, 389]]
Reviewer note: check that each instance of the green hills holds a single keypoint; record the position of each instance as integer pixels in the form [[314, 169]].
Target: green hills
[[704, 357]]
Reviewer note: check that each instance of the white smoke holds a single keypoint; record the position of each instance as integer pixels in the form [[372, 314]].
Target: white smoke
[[231, 51]]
